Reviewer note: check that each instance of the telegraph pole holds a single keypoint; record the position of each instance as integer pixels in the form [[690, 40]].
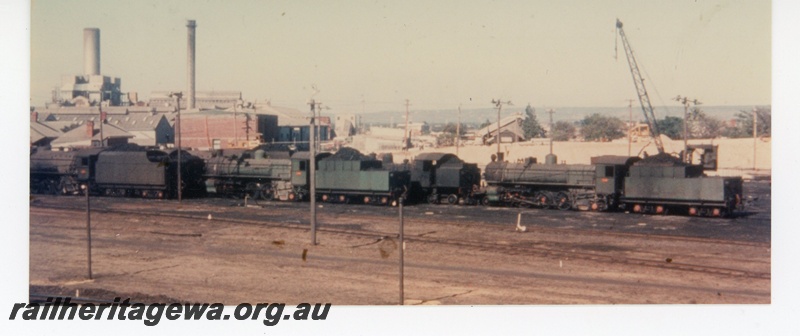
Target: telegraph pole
[[102, 120], [550, 111], [178, 95], [686, 102], [88, 229], [312, 171], [458, 129], [755, 135], [630, 125], [406, 136], [402, 251], [499, 105]]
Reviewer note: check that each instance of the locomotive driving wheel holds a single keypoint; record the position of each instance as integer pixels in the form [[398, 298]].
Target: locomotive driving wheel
[[265, 192], [562, 201], [253, 190], [542, 199]]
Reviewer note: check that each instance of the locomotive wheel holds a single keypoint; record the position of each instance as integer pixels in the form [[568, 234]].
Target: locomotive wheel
[[563, 201], [433, 199], [253, 191], [541, 199], [485, 201], [601, 205], [452, 199], [265, 193]]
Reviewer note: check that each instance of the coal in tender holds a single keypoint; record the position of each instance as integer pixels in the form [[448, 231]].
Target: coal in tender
[[662, 159], [349, 154]]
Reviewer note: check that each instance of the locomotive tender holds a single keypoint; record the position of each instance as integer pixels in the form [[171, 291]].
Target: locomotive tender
[[655, 184], [127, 170]]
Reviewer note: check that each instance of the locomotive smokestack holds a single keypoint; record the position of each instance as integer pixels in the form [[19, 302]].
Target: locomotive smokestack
[[190, 63], [91, 51]]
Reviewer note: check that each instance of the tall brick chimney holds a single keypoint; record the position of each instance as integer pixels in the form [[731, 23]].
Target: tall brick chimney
[[90, 129]]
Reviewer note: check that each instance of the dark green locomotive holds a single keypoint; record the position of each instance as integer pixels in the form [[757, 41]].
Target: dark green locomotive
[[576, 186], [349, 176], [656, 184]]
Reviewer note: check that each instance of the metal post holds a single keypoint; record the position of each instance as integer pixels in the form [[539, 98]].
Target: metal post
[[405, 134], [685, 130], [402, 252], [755, 135], [630, 125], [100, 108], [499, 105], [178, 144], [458, 129], [88, 230], [550, 111], [312, 171], [497, 137]]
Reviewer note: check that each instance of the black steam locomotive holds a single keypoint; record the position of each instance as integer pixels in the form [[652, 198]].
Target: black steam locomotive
[[657, 184], [128, 170]]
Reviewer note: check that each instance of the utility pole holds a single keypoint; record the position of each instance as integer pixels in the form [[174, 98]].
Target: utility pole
[[755, 135], [686, 101], [88, 228], [312, 171], [630, 125], [499, 104], [235, 136], [178, 96], [406, 136], [551, 111], [102, 120], [458, 129], [402, 252]]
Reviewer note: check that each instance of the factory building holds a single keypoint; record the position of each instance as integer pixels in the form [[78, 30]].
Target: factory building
[[209, 119], [90, 88]]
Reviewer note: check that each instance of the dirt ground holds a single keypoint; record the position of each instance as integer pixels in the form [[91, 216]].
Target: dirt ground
[[202, 252]]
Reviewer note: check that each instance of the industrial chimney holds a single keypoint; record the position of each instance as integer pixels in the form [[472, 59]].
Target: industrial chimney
[[91, 51], [190, 66]]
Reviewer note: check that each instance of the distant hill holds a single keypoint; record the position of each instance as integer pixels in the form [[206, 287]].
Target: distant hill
[[478, 116]]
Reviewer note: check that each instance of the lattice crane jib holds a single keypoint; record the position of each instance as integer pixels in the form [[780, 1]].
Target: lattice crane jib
[[644, 98]]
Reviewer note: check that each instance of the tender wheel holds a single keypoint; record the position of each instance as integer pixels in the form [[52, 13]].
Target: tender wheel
[[601, 205], [433, 199], [452, 199]]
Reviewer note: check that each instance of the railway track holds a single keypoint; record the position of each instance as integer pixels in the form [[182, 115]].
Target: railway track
[[546, 251]]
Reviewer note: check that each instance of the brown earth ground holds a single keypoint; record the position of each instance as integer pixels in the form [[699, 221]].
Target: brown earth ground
[[246, 254]]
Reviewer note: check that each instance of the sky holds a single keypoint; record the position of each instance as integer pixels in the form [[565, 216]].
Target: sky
[[366, 56]]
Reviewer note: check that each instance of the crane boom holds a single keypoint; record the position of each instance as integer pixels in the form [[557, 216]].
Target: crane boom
[[644, 99]]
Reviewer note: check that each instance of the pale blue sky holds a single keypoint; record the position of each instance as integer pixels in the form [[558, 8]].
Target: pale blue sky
[[435, 53]]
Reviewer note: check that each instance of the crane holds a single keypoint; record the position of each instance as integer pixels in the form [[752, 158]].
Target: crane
[[644, 99]]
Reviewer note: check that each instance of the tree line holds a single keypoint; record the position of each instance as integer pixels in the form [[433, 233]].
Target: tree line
[[597, 127]]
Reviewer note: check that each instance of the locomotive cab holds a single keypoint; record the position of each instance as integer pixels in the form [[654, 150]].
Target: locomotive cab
[[610, 173]]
